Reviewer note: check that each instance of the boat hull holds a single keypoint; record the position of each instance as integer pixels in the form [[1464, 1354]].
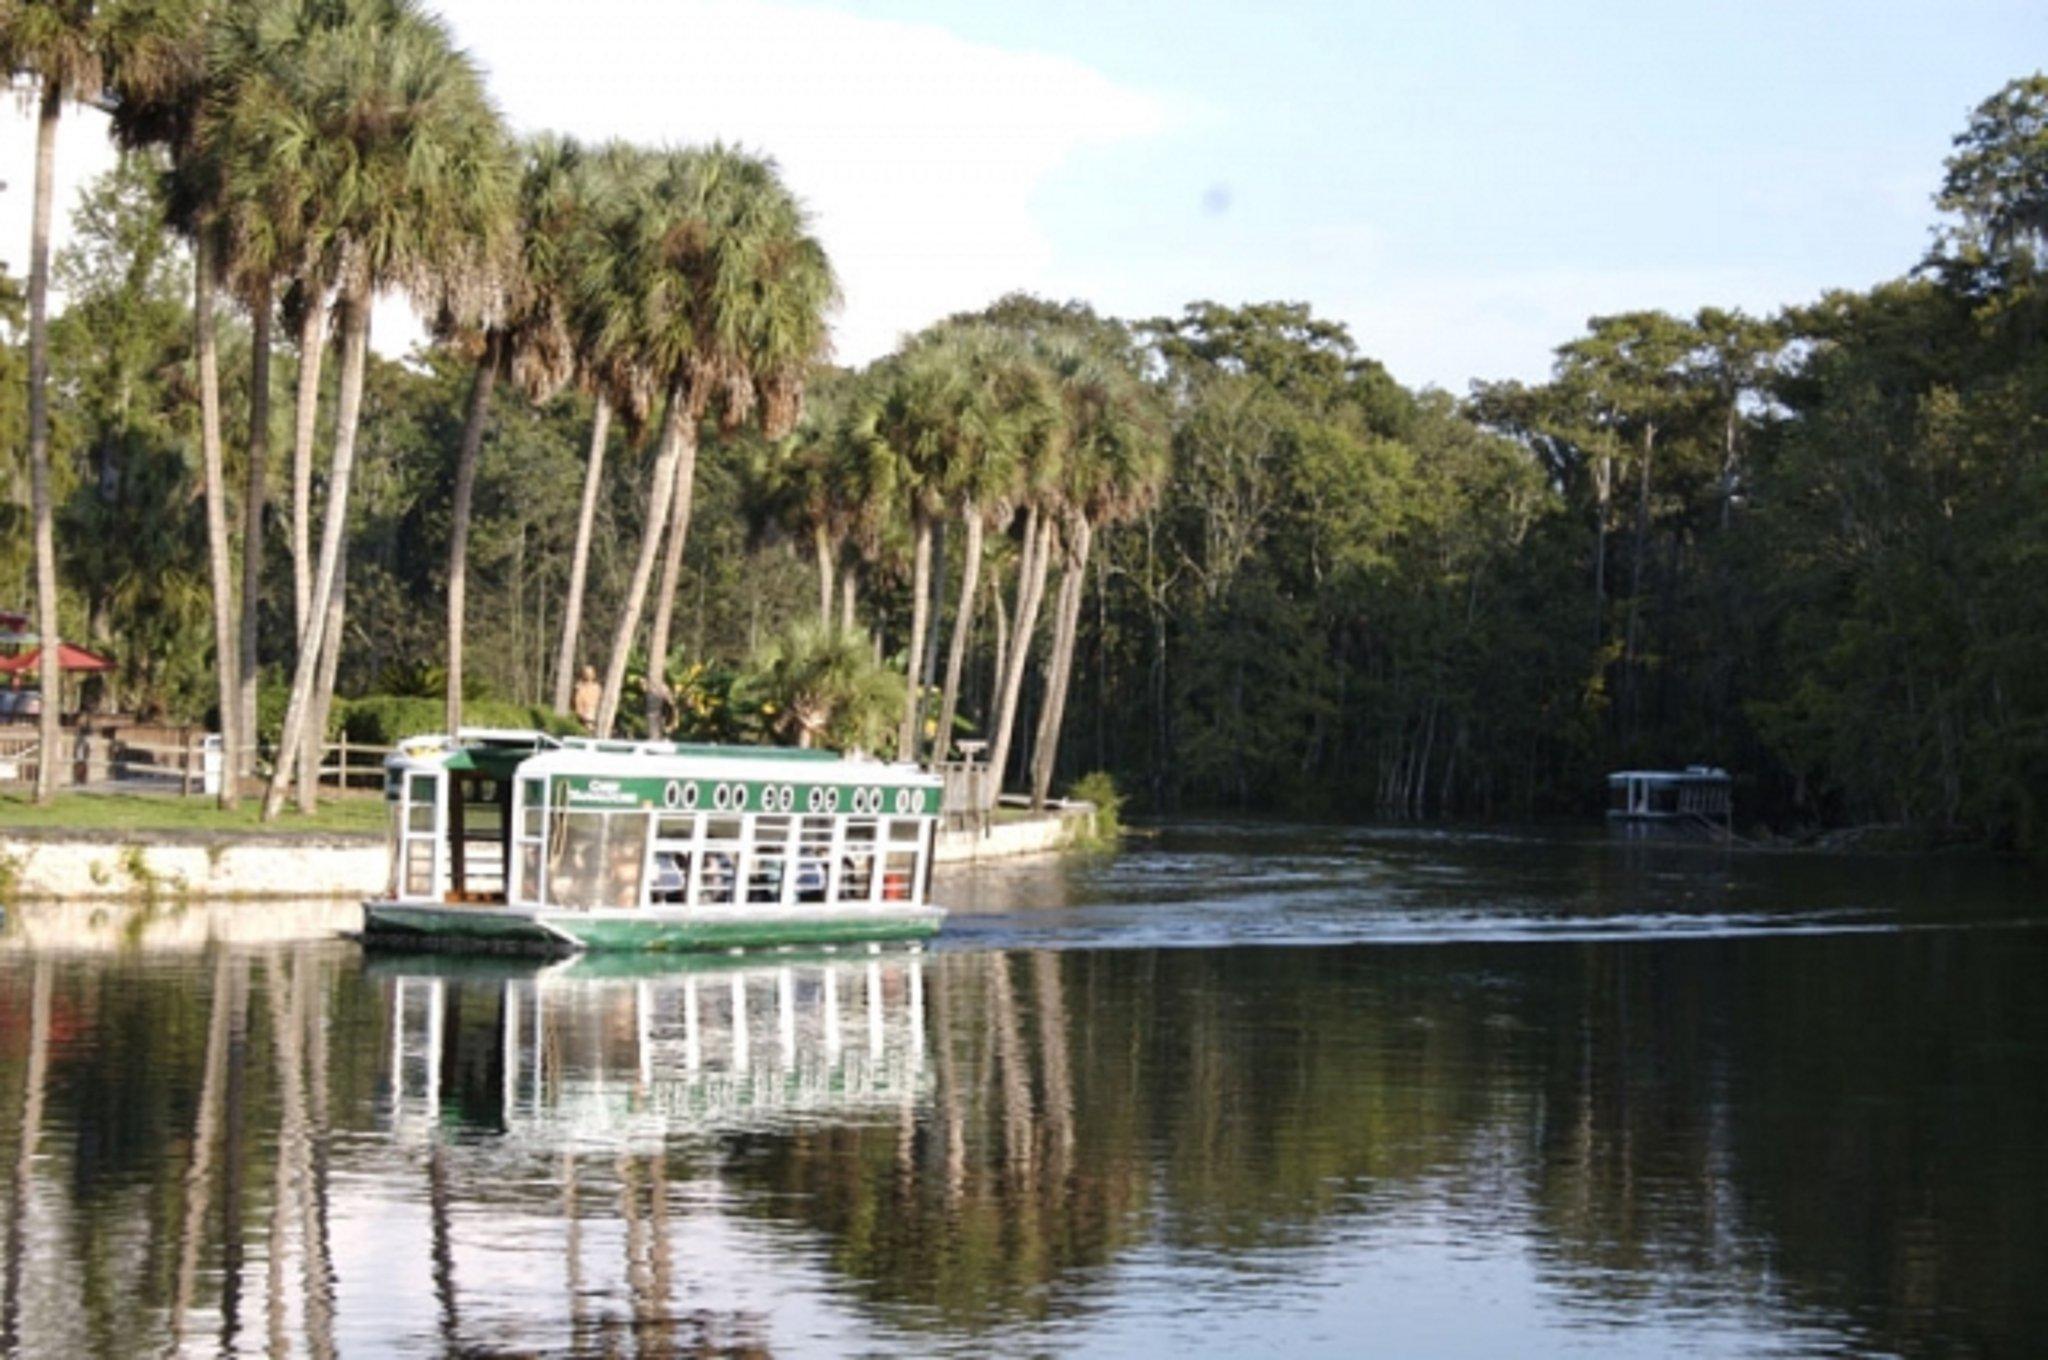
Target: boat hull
[[524, 930]]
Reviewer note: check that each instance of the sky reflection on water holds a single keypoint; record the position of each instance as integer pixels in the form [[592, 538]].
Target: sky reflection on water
[[1747, 1105]]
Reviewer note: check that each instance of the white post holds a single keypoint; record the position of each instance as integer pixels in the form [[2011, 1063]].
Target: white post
[[835, 871]]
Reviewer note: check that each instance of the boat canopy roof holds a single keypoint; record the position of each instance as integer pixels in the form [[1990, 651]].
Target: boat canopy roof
[[495, 751], [501, 752], [670, 760], [1691, 774]]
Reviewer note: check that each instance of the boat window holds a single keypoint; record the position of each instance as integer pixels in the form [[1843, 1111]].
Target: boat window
[[533, 795], [770, 860], [905, 829], [420, 798], [857, 860], [718, 873], [899, 875], [813, 859], [672, 828], [597, 859]]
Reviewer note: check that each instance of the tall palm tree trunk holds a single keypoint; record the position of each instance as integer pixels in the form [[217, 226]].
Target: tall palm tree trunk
[[999, 634], [226, 653], [1031, 574], [305, 429], [821, 543], [355, 339], [579, 561], [39, 440], [473, 420], [323, 687], [254, 500], [671, 574], [963, 624], [920, 610], [660, 490], [1066, 630], [935, 611]]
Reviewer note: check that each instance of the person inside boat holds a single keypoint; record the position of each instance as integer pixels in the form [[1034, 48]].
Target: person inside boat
[[716, 885], [671, 880], [856, 874], [625, 873]]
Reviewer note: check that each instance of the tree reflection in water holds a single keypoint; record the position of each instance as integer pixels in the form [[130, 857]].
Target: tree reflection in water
[[1830, 1134]]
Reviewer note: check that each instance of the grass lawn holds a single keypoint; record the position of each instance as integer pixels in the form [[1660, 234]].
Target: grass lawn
[[166, 812]]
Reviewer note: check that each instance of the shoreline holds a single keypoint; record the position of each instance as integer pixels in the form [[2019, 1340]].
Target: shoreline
[[102, 864]]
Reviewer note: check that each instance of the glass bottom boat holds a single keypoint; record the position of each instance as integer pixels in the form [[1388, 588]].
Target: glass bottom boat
[[516, 842]]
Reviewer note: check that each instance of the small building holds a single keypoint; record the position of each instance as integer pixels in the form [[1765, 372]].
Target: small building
[[1699, 797]]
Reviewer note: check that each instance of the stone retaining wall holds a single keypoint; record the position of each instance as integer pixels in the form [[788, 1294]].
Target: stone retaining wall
[[86, 865], [1043, 834], [50, 863]]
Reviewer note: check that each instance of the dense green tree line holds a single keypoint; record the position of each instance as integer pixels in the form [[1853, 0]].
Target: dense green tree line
[[1221, 554]]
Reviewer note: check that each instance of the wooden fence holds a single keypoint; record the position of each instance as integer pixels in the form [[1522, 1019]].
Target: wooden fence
[[113, 758]]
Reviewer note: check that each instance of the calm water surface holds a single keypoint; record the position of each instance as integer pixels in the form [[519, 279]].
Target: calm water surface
[[1242, 1090]]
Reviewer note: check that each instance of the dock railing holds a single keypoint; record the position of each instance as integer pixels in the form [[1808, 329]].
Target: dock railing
[[101, 757], [964, 804]]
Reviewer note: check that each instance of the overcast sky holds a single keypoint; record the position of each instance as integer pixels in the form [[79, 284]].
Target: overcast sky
[[1463, 183]]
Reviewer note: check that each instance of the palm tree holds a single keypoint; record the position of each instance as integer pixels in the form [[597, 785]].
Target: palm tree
[[798, 486], [62, 45], [164, 86], [907, 420], [823, 686], [729, 293], [417, 193], [1010, 425], [1116, 461], [530, 341], [264, 244], [600, 319]]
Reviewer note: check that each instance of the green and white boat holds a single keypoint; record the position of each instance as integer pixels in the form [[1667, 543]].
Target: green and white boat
[[518, 841]]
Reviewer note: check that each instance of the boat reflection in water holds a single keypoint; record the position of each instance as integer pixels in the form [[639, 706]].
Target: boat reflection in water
[[589, 1059], [607, 1083]]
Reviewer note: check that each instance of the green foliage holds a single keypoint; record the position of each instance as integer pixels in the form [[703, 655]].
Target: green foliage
[[385, 719], [1997, 180], [816, 685], [1099, 788]]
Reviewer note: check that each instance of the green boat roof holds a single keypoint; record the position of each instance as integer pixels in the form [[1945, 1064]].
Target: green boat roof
[[699, 748]]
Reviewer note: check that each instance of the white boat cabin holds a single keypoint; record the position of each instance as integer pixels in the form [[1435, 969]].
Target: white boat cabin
[[526, 820]]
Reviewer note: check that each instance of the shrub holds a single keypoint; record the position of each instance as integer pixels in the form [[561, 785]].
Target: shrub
[[1100, 789], [387, 719]]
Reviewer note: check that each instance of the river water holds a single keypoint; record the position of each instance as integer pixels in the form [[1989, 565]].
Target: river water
[[1239, 1090]]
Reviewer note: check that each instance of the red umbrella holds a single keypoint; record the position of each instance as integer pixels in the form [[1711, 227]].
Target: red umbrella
[[70, 657]]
